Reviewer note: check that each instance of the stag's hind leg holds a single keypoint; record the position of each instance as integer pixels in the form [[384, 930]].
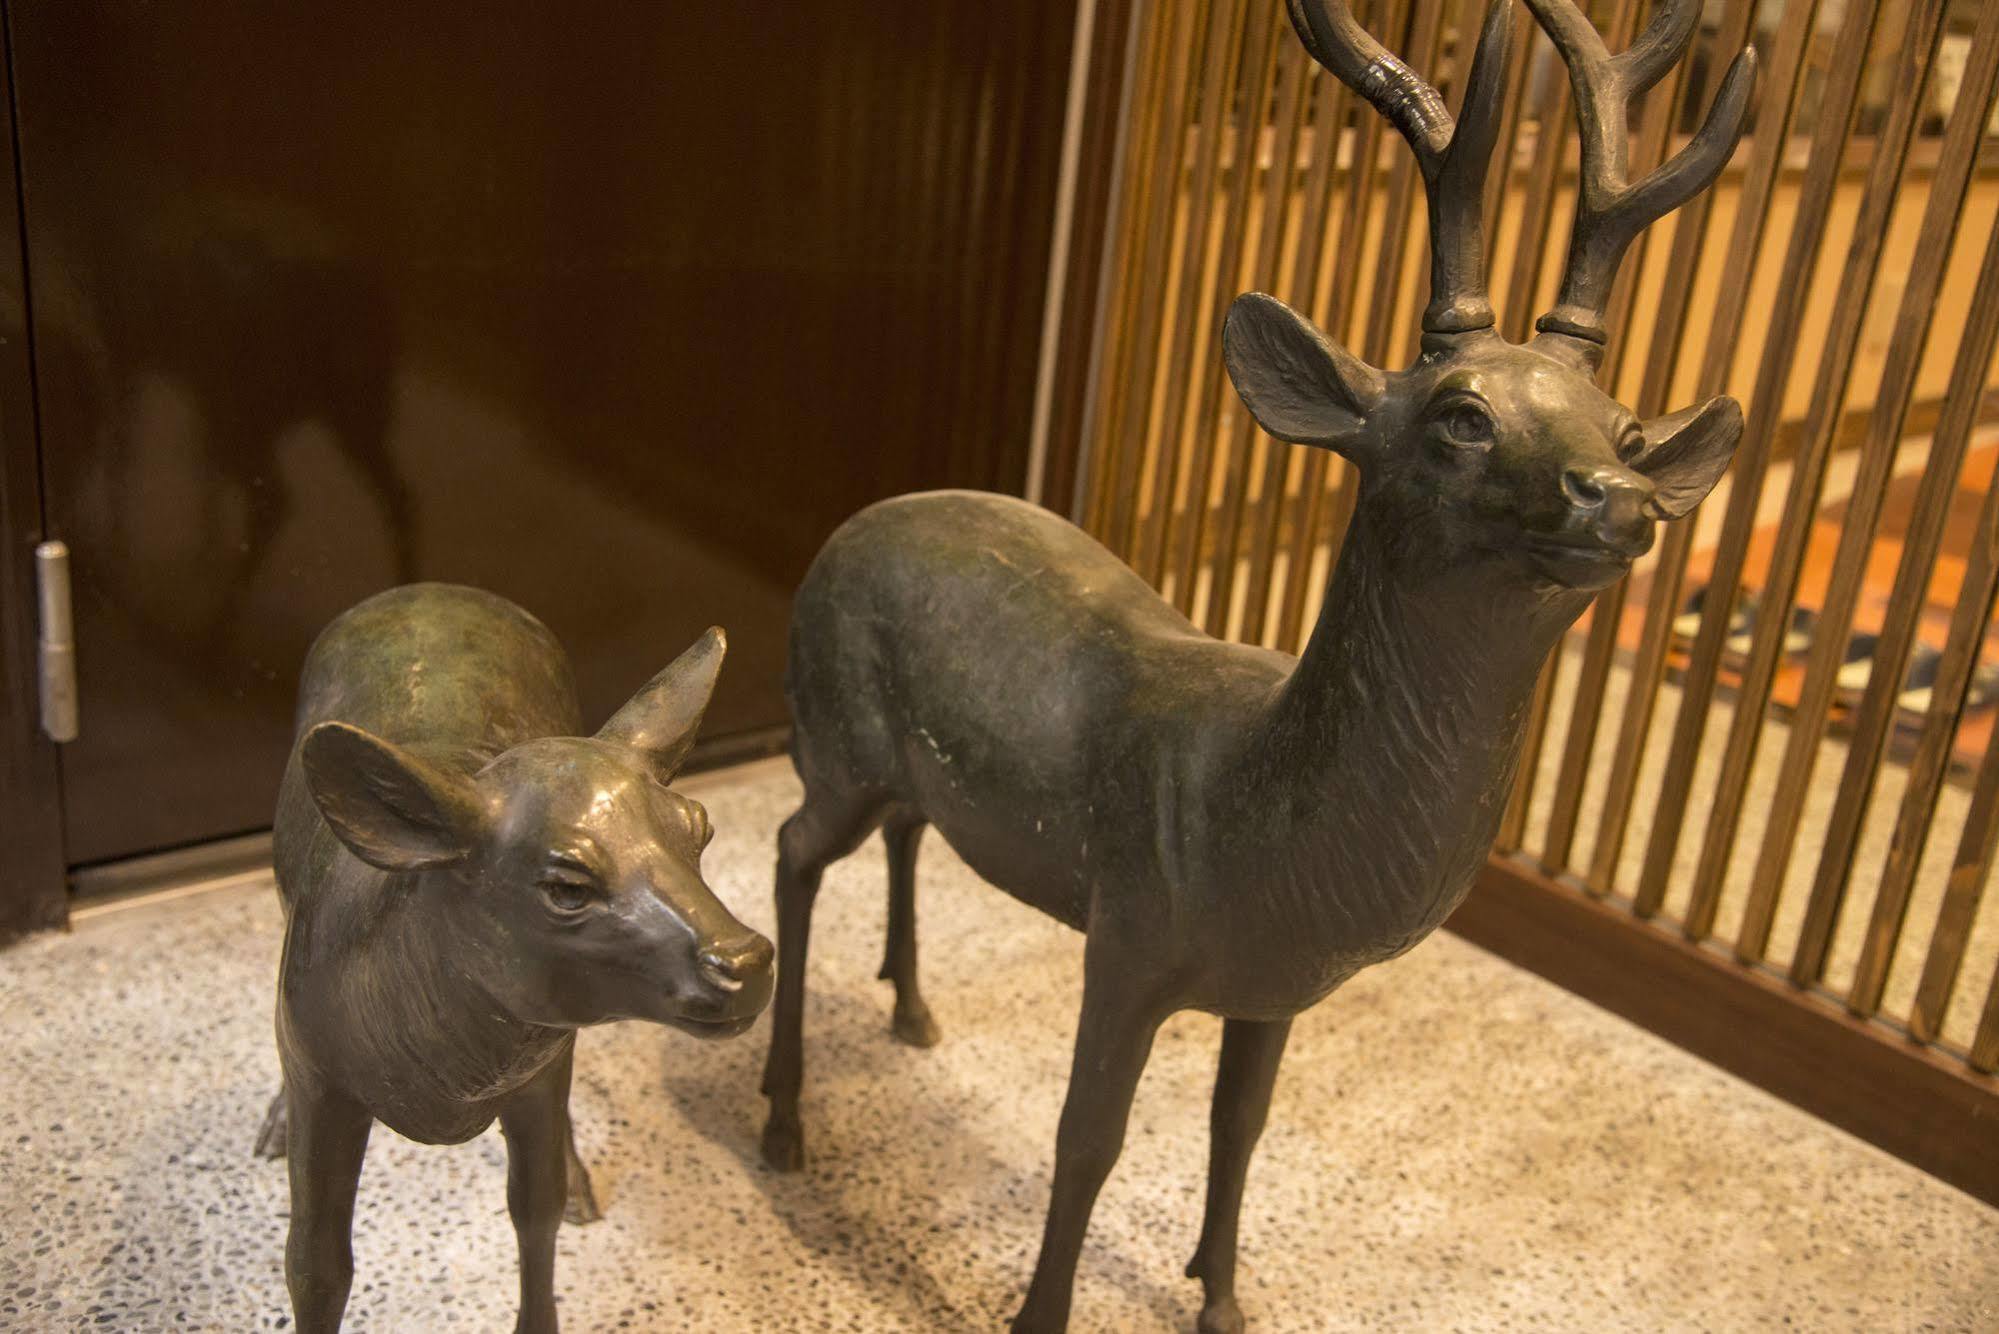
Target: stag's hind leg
[[272, 1134], [1250, 1053], [823, 830], [912, 1023]]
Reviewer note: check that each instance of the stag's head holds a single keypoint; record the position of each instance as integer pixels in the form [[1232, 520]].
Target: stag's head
[[1484, 449]]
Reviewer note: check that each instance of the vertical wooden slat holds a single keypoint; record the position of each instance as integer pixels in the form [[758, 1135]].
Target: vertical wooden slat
[[1802, 497], [1837, 103], [1162, 184], [1856, 540], [1321, 214], [1196, 295], [1966, 881], [1315, 222], [1227, 514], [1984, 1056], [1112, 445], [1258, 540], [1724, 332], [1109, 76], [1426, 43], [1970, 868], [1359, 195], [1929, 764], [1260, 54]]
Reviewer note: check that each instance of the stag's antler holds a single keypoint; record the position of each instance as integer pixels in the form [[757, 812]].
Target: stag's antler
[[1610, 212], [1453, 158]]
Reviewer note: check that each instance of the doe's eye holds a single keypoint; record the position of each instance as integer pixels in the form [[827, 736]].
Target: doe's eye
[[1466, 424], [566, 896]]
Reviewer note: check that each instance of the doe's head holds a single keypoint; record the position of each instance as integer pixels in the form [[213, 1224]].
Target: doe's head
[[568, 869], [1485, 449]]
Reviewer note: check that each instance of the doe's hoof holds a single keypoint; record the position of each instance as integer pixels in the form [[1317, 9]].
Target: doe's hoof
[[784, 1146], [912, 1024], [1222, 1317]]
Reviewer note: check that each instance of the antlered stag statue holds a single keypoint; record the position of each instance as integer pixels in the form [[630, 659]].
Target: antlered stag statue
[[1238, 831]]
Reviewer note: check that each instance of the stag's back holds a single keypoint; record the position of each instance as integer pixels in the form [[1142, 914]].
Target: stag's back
[[988, 665]]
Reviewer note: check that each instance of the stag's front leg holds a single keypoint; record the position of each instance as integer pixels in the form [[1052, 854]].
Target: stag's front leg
[[1113, 1040], [1250, 1053], [328, 1139], [536, 1124]]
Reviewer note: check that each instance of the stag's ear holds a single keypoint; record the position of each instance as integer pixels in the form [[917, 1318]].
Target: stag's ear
[[392, 809], [663, 718], [1298, 385], [1686, 453]]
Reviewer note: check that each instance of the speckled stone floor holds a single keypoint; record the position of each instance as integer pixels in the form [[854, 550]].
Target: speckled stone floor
[[1454, 1145]]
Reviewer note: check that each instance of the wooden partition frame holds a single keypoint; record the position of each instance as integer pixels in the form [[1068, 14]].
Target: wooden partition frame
[[1924, 1108], [33, 895]]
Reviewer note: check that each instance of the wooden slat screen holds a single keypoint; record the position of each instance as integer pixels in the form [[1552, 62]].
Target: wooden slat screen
[[1758, 771]]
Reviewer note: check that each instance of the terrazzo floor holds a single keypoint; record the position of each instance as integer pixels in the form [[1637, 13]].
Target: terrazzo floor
[[1455, 1144]]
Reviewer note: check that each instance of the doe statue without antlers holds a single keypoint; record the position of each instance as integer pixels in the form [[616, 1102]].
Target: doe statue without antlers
[[1235, 830], [466, 883]]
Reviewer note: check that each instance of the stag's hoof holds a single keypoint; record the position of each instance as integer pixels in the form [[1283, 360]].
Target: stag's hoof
[[912, 1024], [536, 1322], [276, 1130], [580, 1207], [1030, 1321], [784, 1145], [1221, 1317]]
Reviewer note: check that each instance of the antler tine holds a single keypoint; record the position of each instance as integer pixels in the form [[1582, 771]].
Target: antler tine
[[1334, 38], [1610, 210], [1662, 43], [1453, 156]]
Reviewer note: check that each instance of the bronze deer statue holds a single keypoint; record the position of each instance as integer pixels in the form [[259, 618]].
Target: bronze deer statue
[[1235, 830], [467, 881]]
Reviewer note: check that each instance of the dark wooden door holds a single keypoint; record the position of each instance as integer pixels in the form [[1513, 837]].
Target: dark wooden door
[[614, 309]]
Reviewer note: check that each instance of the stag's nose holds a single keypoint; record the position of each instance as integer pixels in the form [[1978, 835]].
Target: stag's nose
[[729, 965], [1614, 497]]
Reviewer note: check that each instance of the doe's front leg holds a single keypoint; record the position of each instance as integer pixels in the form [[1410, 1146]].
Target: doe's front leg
[[327, 1141], [536, 1123]]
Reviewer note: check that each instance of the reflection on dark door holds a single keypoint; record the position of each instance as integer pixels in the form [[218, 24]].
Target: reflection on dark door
[[616, 310]]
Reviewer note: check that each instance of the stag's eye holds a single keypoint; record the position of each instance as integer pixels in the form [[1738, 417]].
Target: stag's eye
[[1466, 425], [567, 896], [1630, 445]]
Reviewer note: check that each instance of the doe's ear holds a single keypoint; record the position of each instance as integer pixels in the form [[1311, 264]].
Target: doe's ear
[[390, 808], [1298, 384], [1686, 453], [663, 718]]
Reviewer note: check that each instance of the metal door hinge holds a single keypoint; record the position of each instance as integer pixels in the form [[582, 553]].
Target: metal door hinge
[[58, 642]]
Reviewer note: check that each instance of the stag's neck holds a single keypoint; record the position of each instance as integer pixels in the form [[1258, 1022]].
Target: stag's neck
[[1382, 765]]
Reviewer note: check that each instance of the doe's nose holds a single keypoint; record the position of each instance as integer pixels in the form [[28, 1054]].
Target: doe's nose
[[729, 964]]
